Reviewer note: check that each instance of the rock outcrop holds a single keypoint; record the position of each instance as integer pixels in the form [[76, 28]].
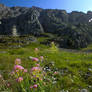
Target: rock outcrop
[[73, 29]]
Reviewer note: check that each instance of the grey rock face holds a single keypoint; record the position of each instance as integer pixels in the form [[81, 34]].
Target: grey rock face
[[25, 19], [36, 20], [18, 21]]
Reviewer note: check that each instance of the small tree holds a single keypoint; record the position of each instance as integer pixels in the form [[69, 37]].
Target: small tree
[[53, 47]]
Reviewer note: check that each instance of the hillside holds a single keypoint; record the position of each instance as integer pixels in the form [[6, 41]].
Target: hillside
[[73, 30], [45, 50]]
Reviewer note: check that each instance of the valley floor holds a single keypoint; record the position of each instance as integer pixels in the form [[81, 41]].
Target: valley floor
[[75, 66]]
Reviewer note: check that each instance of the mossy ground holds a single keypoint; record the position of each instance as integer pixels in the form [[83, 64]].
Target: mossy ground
[[75, 68]]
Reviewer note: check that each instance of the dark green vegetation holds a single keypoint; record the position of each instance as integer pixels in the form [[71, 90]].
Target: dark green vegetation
[[74, 30], [15, 42], [75, 67]]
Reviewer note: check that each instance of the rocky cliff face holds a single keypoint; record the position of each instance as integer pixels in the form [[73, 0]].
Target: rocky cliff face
[[74, 28], [36, 20], [24, 20]]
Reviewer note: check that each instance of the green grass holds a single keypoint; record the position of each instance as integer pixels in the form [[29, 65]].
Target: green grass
[[75, 65], [89, 48]]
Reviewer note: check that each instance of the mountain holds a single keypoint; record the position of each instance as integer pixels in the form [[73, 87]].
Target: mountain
[[74, 29]]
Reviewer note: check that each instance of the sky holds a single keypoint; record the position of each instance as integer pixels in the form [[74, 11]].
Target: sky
[[68, 5]]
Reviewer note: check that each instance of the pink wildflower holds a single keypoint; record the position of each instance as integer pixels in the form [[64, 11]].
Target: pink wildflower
[[41, 79], [35, 59], [18, 61], [41, 57], [37, 65], [35, 86], [25, 70], [31, 87], [35, 69], [16, 70], [8, 85], [55, 72], [19, 79], [18, 67]]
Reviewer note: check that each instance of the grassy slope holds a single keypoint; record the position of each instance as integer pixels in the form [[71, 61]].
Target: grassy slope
[[75, 63]]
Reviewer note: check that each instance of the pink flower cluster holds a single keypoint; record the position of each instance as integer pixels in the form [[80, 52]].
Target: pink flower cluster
[[18, 61], [20, 79], [37, 65], [25, 70], [35, 59], [55, 73], [36, 79], [18, 67], [34, 86], [34, 76], [41, 58], [35, 69]]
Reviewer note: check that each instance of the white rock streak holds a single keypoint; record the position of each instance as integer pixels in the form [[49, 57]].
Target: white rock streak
[[14, 31], [90, 20]]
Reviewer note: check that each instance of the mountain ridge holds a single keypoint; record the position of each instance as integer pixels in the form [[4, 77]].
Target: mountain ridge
[[74, 28]]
